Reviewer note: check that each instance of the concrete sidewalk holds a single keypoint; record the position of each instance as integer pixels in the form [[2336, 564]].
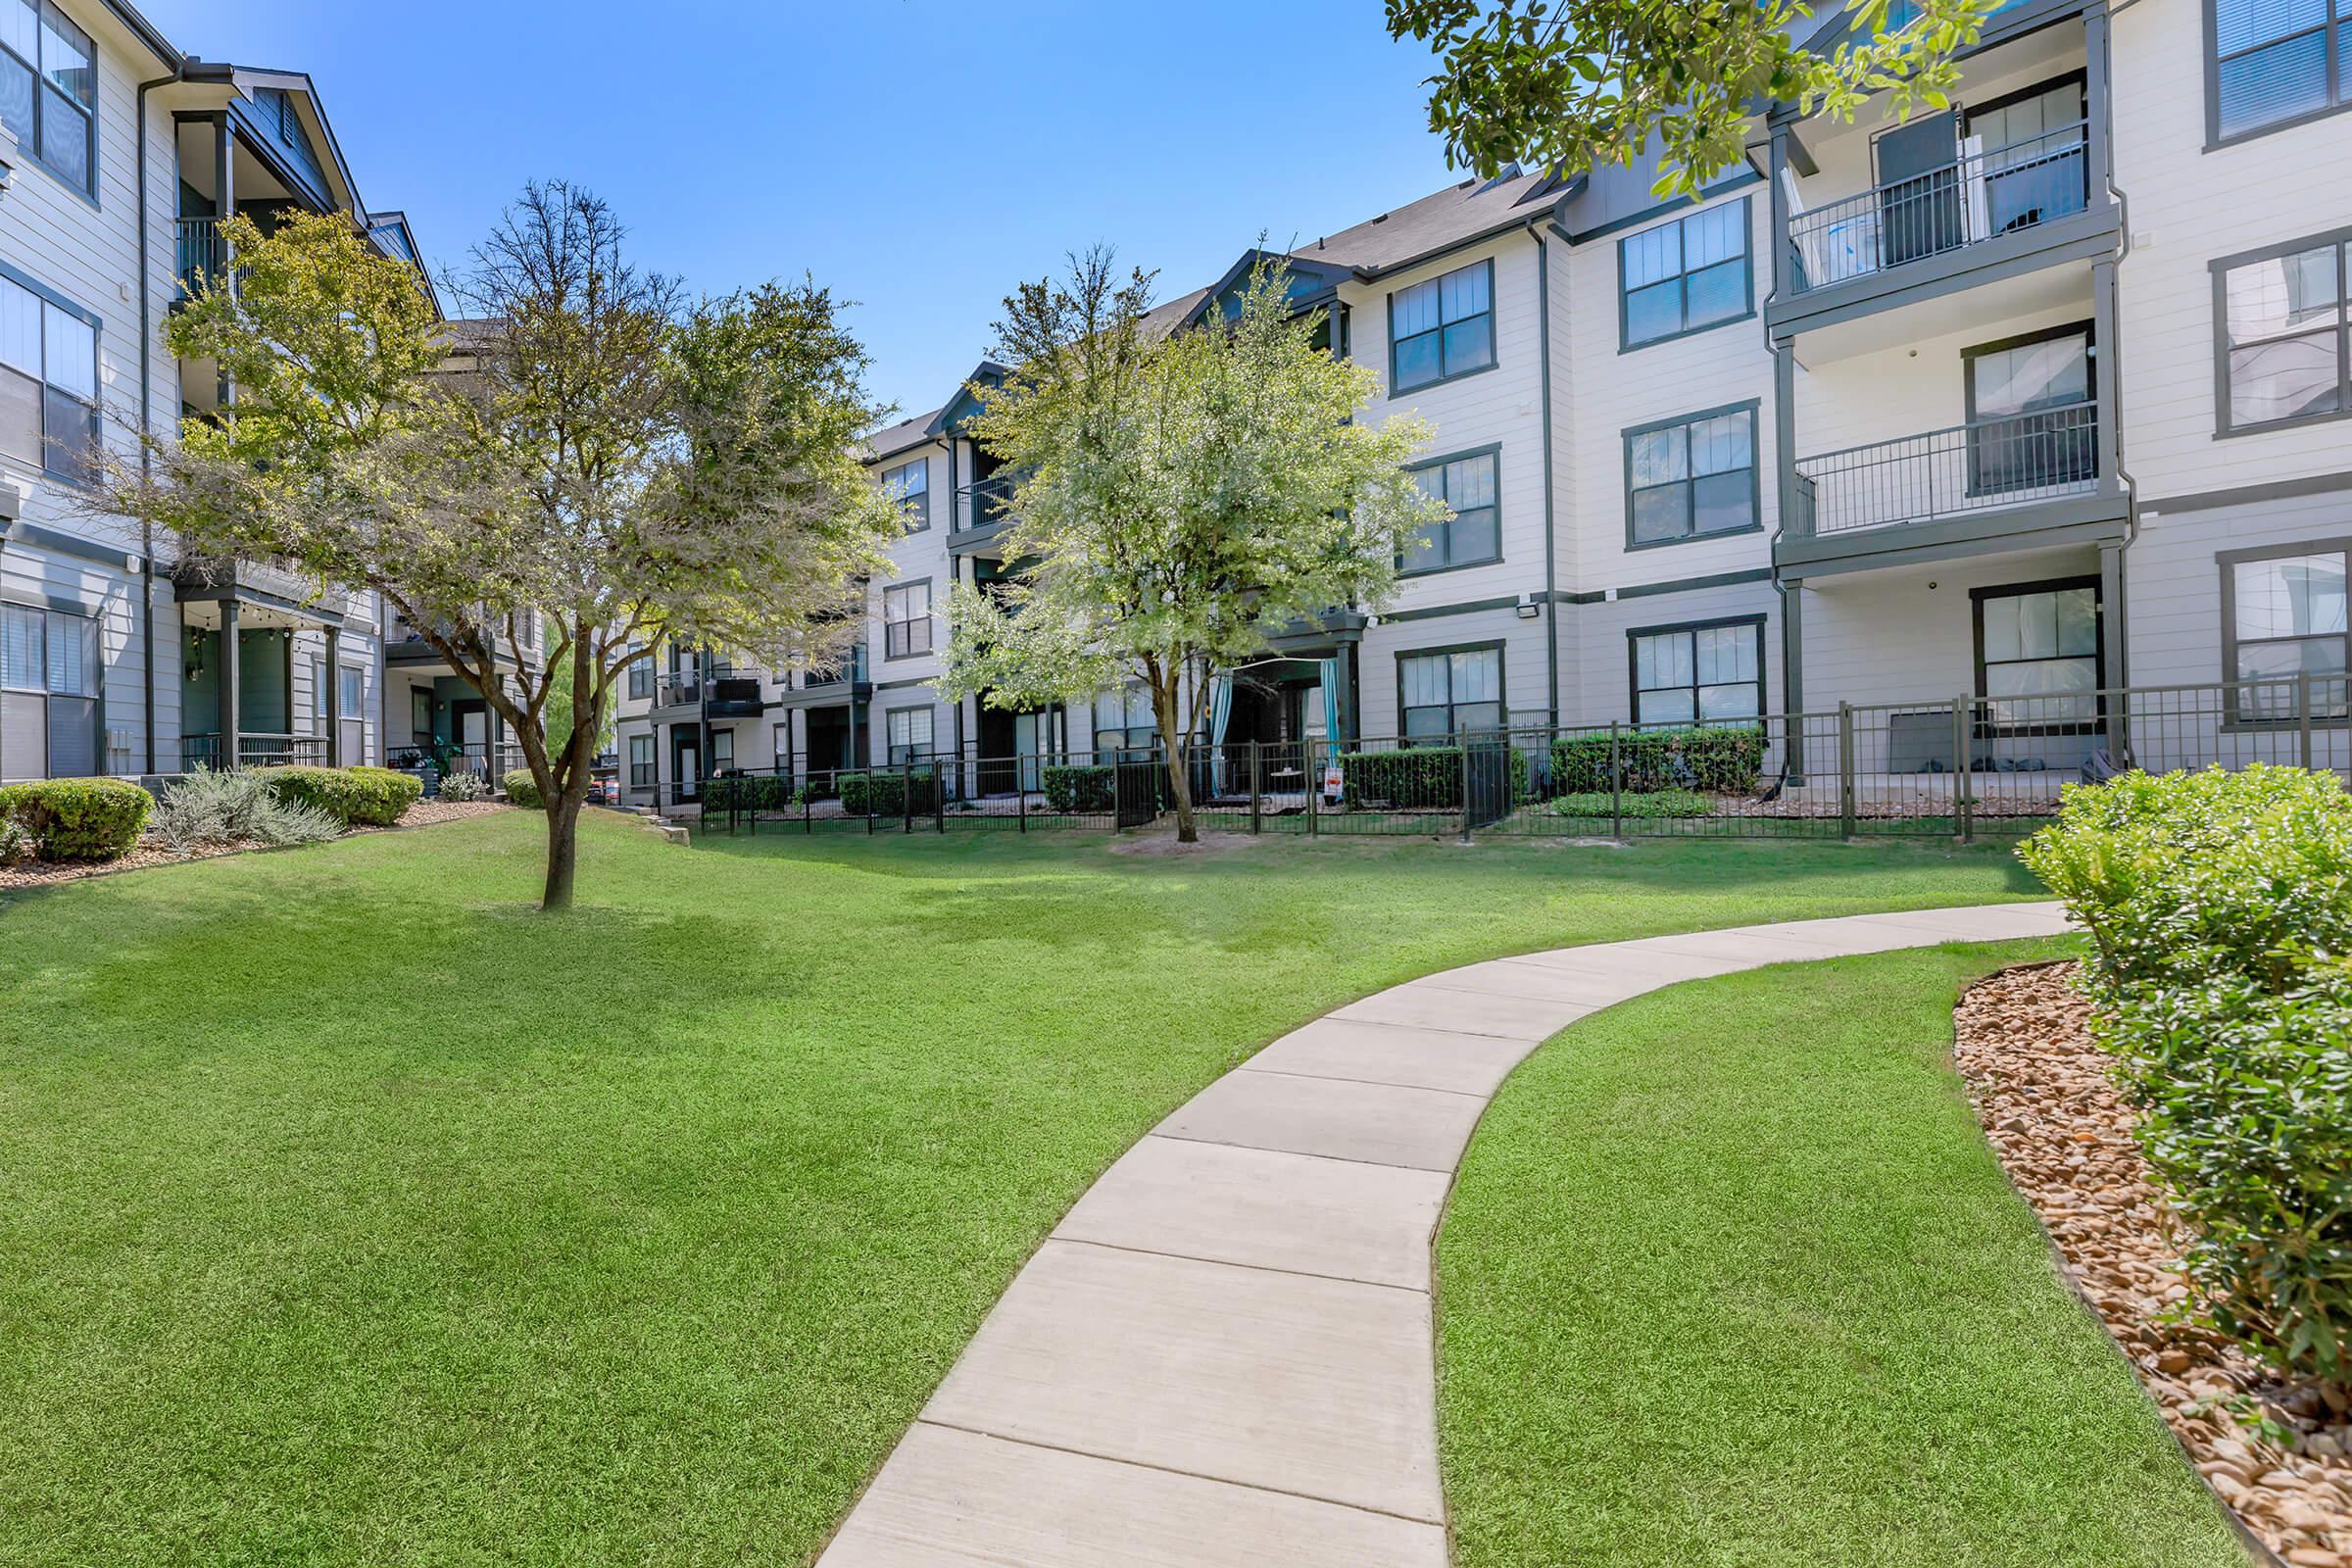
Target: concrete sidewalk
[[1223, 1354]]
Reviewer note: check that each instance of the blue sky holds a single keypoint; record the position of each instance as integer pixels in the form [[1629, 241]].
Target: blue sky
[[917, 155]]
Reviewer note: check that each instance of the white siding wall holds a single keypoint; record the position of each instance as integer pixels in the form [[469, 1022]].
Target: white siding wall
[[1604, 657], [2175, 577], [1909, 634]]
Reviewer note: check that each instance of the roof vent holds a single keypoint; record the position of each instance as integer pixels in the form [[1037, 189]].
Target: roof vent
[[1382, 219]]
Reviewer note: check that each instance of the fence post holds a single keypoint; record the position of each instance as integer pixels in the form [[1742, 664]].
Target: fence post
[[1020, 795], [1616, 783], [1257, 783], [1314, 790], [807, 801], [939, 797], [2303, 712], [1846, 771], [1462, 739], [1963, 774]]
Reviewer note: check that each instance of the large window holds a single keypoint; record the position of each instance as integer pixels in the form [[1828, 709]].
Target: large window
[[641, 676], [1449, 692], [2037, 654], [1703, 673], [1123, 722], [1442, 329], [1691, 477], [1684, 276], [48, 382], [2276, 62], [49, 89], [1467, 485], [906, 619], [641, 761], [910, 484], [49, 674], [2282, 619], [907, 731], [2031, 424], [2285, 344]]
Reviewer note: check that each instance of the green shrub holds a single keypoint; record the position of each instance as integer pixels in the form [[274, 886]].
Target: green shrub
[[16, 841], [2220, 910], [1638, 803], [886, 794], [1721, 758], [752, 791], [463, 786], [357, 796], [1072, 790], [522, 789], [80, 818], [208, 809], [1414, 778]]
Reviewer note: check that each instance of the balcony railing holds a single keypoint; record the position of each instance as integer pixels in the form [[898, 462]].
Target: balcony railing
[[984, 503], [1968, 469], [1973, 199], [200, 251], [253, 751], [851, 670]]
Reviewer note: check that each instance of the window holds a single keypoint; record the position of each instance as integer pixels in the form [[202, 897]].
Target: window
[[1703, 673], [2283, 618], [906, 619], [318, 689], [2283, 350], [907, 732], [1442, 329], [2276, 62], [49, 675], [1691, 478], [49, 89], [1123, 722], [353, 691], [910, 485], [2037, 654], [1684, 276], [2031, 425], [2035, 162], [641, 761], [641, 676], [722, 751], [48, 382], [1467, 485], [1447, 693]]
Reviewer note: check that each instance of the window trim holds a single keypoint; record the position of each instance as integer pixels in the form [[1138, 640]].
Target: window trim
[[925, 459], [1494, 333], [930, 640], [1633, 671], [1747, 254], [1984, 728], [29, 151], [1126, 733], [930, 748], [1753, 408], [2226, 562], [2330, 32], [76, 609], [653, 779], [96, 404], [1499, 646], [2341, 238], [1492, 449]]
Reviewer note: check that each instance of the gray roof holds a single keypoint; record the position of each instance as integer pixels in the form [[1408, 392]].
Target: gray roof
[[896, 438], [1466, 211], [1168, 315]]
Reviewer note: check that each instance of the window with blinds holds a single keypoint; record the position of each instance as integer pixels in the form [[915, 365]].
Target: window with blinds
[[2277, 61], [49, 688]]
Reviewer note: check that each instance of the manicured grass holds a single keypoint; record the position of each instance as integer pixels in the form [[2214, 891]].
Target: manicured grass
[[356, 1214], [1731, 1277]]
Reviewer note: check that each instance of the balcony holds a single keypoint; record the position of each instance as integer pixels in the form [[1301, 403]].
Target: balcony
[[2021, 479], [200, 251], [820, 688], [983, 508], [208, 751]]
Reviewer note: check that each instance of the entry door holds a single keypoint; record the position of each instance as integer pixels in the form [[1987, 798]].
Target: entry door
[[1919, 188], [469, 727], [686, 761], [1027, 732]]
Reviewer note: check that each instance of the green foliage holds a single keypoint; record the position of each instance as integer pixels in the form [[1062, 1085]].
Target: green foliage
[[751, 792], [1074, 790], [2220, 909], [78, 819], [1722, 758], [522, 789], [209, 811], [357, 796], [1573, 83], [1415, 778], [888, 794], [463, 786], [1634, 803]]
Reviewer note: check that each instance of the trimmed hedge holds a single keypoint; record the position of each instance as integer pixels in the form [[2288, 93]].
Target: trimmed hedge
[[886, 794], [1415, 778], [356, 797], [1640, 803], [760, 792], [2220, 910], [1721, 758], [78, 819], [1072, 790], [522, 789]]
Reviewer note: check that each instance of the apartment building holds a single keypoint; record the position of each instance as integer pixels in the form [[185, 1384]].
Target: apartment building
[[2037, 395], [120, 653]]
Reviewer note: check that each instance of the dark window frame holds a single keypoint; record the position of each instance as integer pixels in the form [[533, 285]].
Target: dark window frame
[[2332, 30], [1453, 730], [2228, 561], [1626, 344], [1126, 732], [889, 626], [29, 149], [2087, 331], [1494, 334], [929, 748], [1983, 727], [1493, 449], [1752, 407], [55, 461], [641, 676], [92, 631], [1633, 671], [918, 501], [2341, 238], [642, 774]]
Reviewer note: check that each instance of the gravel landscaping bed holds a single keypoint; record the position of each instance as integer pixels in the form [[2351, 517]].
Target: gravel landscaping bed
[[2275, 1453], [153, 852]]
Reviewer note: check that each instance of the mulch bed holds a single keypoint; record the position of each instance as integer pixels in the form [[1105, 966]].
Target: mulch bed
[[2044, 1093], [153, 852]]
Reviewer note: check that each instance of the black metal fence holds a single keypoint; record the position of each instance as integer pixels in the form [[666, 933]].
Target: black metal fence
[[1965, 768]]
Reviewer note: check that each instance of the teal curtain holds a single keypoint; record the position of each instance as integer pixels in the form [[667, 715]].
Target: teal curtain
[[1330, 703], [1220, 712]]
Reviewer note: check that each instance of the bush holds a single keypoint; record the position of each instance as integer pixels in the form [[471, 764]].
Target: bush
[[751, 792], [79, 818], [1648, 803], [208, 809], [1719, 759], [463, 786], [2220, 909], [1072, 790], [356, 797], [16, 843], [1415, 778], [522, 789], [886, 794]]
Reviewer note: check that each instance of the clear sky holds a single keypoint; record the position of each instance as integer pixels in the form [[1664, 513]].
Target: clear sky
[[917, 156]]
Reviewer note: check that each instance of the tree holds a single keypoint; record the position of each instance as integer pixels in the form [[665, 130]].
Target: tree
[[1564, 84], [1182, 498], [558, 716], [588, 445]]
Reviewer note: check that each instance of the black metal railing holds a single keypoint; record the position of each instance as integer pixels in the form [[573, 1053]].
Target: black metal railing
[[851, 670], [433, 761], [1978, 467], [210, 749], [984, 503], [1971, 200], [200, 252]]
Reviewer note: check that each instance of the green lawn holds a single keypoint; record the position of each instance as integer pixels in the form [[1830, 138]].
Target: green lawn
[[355, 1213], [1731, 1277]]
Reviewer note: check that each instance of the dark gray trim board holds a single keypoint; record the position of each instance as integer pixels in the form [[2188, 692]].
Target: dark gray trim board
[[1685, 585], [66, 544], [2040, 525], [2246, 495], [2078, 237]]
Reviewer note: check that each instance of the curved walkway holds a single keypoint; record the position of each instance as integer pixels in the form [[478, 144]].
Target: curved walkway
[[1223, 1354]]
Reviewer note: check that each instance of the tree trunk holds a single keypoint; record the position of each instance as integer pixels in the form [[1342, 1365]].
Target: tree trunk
[[1163, 705], [1180, 781], [563, 850]]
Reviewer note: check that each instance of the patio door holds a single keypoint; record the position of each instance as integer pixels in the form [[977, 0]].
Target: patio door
[[1919, 188], [2035, 162], [686, 761], [470, 728], [2031, 425], [1028, 743]]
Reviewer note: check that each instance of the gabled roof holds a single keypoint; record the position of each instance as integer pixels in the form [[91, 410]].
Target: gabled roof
[[962, 406], [904, 436], [1312, 284], [1467, 211]]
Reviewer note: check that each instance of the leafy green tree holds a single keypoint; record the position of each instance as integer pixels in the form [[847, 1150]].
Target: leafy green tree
[[587, 444], [1183, 497], [1564, 84]]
